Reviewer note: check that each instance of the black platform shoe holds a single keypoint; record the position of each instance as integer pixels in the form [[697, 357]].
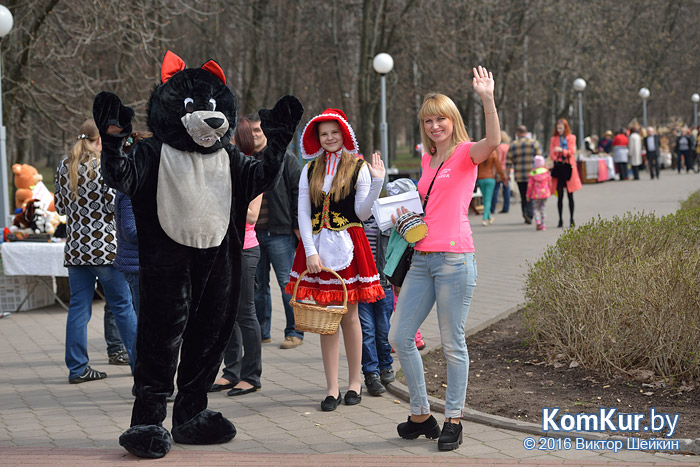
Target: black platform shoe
[[412, 430], [451, 436]]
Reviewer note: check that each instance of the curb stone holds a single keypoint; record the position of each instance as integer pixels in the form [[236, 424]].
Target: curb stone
[[685, 445]]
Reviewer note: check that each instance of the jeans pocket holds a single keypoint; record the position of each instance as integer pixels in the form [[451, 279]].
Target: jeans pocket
[[454, 259]]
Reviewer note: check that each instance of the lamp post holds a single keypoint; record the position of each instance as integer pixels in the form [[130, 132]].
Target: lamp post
[[579, 87], [695, 98], [383, 64], [5, 27], [644, 94]]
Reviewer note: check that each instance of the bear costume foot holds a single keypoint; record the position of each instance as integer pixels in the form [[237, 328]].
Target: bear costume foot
[[207, 427], [149, 441]]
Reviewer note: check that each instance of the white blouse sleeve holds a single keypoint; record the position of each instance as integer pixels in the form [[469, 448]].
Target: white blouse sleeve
[[368, 189], [305, 229]]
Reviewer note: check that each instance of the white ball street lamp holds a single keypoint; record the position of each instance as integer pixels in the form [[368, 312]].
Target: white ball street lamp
[[6, 23], [383, 64], [695, 98], [644, 94], [579, 87]]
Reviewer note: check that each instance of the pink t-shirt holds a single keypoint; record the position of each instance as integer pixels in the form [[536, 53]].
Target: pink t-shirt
[[447, 213], [250, 240]]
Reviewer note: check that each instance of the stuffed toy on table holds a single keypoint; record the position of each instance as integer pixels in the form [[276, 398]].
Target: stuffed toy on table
[[190, 188]]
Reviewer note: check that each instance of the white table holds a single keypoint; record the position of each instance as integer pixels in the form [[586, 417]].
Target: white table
[[36, 259]]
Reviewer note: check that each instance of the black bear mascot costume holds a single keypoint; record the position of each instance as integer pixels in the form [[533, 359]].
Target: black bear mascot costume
[[190, 188]]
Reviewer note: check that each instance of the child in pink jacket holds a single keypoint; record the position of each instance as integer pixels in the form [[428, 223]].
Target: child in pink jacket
[[538, 190]]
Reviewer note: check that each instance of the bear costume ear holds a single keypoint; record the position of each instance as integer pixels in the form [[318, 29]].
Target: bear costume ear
[[171, 65], [212, 67]]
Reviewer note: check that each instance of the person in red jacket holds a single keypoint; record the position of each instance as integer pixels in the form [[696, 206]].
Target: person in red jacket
[[562, 147]]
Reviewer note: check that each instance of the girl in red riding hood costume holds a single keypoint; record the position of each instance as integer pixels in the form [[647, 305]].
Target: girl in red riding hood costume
[[336, 193]]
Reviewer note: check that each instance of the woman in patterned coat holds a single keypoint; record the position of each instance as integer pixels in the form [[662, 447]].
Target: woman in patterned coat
[[91, 244]]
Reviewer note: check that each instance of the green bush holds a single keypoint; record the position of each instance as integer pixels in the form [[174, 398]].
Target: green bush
[[622, 294], [692, 202]]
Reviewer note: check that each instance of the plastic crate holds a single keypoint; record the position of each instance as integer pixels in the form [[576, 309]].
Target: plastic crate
[[13, 289]]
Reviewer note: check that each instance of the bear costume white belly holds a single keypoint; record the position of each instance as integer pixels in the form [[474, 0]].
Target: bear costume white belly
[[197, 187]]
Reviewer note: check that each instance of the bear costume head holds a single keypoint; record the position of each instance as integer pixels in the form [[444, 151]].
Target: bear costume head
[[192, 111]]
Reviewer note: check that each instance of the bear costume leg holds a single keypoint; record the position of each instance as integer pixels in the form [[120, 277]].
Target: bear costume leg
[[193, 304]]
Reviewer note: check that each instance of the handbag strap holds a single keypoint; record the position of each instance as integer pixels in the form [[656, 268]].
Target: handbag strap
[[425, 200]]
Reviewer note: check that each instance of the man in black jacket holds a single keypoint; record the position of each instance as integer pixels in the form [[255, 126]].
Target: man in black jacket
[[651, 145], [278, 234]]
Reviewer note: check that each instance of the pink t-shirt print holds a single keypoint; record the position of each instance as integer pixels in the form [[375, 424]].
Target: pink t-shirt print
[[447, 213]]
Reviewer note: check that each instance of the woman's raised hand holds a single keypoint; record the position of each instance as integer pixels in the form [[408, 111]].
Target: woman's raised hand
[[376, 166], [483, 82]]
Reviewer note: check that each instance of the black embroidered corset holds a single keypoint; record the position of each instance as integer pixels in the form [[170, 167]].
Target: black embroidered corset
[[335, 215]]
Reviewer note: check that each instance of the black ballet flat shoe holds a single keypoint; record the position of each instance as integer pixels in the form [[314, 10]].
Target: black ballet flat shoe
[[560, 224], [353, 398], [412, 430], [241, 391], [331, 403], [221, 387]]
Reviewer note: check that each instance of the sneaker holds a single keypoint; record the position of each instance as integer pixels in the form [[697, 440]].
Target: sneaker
[[490, 220], [451, 436], [387, 376], [374, 386], [266, 340], [412, 430], [119, 358], [484, 222], [420, 344], [88, 375], [290, 342]]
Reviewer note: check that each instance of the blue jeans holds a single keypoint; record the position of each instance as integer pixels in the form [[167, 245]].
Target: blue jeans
[[278, 251], [82, 281], [506, 197], [447, 279], [374, 319], [112, 338]]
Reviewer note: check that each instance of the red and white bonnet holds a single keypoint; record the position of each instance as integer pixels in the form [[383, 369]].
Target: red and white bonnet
[[311, 146]]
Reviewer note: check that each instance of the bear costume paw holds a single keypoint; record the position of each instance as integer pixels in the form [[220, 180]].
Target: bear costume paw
[[207, 427], [149, 441], [283, 118], [108, 110]]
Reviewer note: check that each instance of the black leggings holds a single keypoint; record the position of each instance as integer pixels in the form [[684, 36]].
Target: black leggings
[[561, 186]]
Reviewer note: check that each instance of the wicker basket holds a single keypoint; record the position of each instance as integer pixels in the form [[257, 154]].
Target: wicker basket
[[309, 317]]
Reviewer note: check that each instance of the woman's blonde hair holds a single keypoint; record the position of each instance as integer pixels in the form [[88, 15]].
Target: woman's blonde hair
[[84, 152], [341, 185], [441, 105], [504, 137]]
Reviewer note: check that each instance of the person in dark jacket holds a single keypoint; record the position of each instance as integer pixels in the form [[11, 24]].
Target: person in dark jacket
[[652, 143], [278, 234], [126, 260]]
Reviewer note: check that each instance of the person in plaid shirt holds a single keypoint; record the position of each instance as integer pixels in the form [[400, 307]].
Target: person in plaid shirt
[[520, 156]]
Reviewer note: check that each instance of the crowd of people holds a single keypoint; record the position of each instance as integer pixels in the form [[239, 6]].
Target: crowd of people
[[316, 230]]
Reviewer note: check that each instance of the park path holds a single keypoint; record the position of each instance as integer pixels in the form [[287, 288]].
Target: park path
[[45, 420]]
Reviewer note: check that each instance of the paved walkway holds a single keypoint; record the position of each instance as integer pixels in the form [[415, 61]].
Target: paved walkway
[[44, 420]]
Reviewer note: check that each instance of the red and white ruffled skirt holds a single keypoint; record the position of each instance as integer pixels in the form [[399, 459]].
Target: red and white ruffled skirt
[[360, 277]]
